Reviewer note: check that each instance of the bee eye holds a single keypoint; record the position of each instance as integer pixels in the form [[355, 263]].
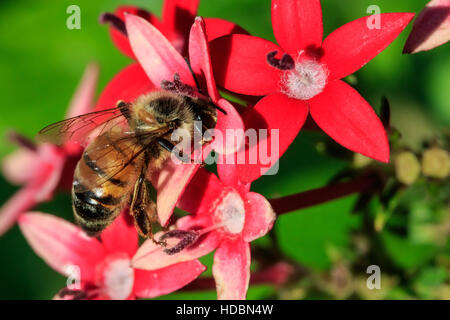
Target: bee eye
[[176, 122], [160, 120]]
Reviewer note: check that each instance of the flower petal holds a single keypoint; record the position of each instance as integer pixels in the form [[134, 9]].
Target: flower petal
[[240, 64], [201, 192], [431, 28], [227, 169], [121, 88], [83, 100], [40, 186], [159, 59], [121, 235], [347, 118], [61, 244], [170, 184], [18, 167], [152, 257], [119, 39], [200, 59], [231, 269], [228, 172], [350, 47], [230, 128], [46, 179], [216, 28], [280, 118], [150, 284], [259, 217], [22, 201], [277, 274], [178, 16], [297, 24]]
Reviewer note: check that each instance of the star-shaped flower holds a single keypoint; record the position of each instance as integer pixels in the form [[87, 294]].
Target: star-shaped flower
[[177, 19], [101, 269], [44, 168], [159, 62], [301, 76], [227, 218]]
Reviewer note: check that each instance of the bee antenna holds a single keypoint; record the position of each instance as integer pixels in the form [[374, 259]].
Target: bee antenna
[[217, 107], [197, 84]]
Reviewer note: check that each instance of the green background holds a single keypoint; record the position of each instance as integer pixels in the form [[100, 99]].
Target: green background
[[41, 62]]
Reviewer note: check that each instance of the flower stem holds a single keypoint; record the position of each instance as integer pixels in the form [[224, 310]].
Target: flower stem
[[277, 274], [361, 184]]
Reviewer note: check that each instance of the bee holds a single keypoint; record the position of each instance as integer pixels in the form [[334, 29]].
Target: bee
[[129, 143]]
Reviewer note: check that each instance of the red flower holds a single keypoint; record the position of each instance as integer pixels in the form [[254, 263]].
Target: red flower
[[101, 269], [431, 28], [42, 168], [160, 61], [177, 19], [301, 76], [227, 218]]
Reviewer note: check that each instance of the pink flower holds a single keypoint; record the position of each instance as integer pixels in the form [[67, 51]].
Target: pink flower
[[43, 168], [159, 61], [101, 269], [302, 76], [431, 28], [177, 19], [227, 218]]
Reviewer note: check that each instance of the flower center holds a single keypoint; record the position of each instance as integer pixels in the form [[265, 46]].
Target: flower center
[[231, 212], [306, 80], [118, 278], [229, 215]]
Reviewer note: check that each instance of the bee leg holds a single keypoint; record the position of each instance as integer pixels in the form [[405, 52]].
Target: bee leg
[[143, 210], [167, 145]]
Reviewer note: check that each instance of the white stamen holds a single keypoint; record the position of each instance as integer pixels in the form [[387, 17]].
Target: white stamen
[[232, 212], [119, 279], [306, 80]]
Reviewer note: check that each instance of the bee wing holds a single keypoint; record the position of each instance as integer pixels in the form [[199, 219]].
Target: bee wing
[[79, 129], [122, 150]]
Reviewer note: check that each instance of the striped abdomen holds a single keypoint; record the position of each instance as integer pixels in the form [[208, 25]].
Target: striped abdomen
[[103, 179]]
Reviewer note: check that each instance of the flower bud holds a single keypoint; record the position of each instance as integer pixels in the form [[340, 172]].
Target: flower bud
[[436, 163], [360, 161], [407, 167]]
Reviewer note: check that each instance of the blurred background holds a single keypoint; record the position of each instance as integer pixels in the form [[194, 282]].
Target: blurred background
[[404, 231]]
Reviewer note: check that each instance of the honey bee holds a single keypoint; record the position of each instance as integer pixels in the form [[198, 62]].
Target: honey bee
[[130, 142]]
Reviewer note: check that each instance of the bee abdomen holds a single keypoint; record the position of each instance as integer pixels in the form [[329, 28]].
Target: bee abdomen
[[91, 228], [94, 213], [95, 168]]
